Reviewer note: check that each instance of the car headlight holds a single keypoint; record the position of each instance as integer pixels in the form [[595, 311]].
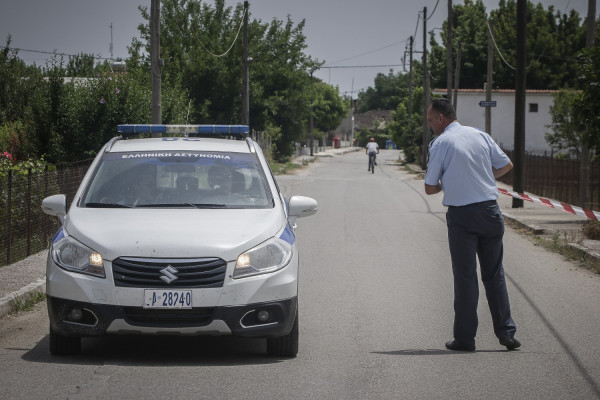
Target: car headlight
[[270, 256], [71, 255]]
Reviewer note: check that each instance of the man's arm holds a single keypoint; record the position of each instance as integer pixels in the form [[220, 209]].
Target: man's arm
[[431, 189], [501, 171]]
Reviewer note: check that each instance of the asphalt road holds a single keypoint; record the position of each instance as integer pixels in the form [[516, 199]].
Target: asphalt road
[[375, 312]]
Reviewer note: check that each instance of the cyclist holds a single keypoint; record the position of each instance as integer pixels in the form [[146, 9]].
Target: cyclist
[[372, 150]]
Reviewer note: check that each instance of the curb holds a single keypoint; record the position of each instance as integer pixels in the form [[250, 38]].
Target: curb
[[536, 230], [7, 302]]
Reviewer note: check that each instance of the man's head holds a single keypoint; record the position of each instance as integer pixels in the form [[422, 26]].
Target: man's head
[[440, 114], [372, 139]]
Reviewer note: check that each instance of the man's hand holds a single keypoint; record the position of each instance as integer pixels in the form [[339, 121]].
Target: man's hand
[[501, 171], [431, 189]]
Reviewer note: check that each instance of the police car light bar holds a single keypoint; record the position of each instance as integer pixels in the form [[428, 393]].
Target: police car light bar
[[185, 130]]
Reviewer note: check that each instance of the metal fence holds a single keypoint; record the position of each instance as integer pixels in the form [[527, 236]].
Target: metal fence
[[557, 179], [24, 228]]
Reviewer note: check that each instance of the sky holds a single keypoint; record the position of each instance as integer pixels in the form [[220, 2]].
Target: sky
[[360, 37]]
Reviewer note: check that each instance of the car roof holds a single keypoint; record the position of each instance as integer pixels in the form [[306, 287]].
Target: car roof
[[180, 144]]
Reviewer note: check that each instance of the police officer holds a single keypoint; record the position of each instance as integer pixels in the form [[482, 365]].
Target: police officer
[[464, 163]]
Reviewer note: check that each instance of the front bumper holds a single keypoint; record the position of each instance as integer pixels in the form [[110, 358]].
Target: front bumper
[[76, 318]]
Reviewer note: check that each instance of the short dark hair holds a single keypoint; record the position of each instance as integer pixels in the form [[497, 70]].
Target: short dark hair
[[444, 107]]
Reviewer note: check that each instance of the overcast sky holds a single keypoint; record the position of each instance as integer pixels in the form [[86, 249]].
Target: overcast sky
[[343, 33]]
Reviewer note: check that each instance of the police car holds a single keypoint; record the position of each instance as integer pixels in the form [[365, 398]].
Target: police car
[[185, 234]]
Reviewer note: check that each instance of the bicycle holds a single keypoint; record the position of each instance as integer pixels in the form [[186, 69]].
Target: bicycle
[[372, 162]]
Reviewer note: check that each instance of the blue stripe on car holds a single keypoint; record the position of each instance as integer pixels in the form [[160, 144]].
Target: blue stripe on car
[[288, 235]]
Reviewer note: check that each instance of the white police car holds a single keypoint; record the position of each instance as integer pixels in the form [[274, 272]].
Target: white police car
[[182, 235]]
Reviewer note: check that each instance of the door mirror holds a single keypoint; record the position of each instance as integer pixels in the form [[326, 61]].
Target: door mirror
[[301, 206], [56, 206]]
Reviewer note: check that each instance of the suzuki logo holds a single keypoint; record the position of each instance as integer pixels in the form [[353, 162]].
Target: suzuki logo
[[168, 274]]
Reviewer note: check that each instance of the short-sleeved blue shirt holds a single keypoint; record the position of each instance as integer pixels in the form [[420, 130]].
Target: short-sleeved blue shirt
[[461, 158]]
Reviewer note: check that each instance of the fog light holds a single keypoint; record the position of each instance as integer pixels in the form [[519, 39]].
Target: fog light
[[263, 316], [76, 314]]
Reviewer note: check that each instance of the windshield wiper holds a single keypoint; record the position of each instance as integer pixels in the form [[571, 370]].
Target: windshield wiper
[[194, 205], [107, 205]]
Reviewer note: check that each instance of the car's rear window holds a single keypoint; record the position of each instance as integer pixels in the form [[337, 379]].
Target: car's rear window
[[178, 179]]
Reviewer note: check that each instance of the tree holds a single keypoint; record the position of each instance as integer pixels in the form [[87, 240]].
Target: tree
[[407, 131], [81, 65], [388, 92], [565, 126], [586, 105], [553, 40], [198, 42]]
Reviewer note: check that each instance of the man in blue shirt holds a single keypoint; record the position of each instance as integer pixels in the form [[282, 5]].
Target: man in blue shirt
[[463, 163]]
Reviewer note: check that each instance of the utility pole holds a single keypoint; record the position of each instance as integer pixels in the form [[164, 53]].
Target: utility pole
[[488, 86], [519, 152], [410, 79], [584, 169], [457, 75], [245, 73], [156, 63], [111, 42], [449, 52], [426, 101]]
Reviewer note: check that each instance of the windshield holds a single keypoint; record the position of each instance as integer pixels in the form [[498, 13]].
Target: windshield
[[178, 179]]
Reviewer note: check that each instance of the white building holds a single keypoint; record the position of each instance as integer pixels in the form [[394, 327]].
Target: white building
[[537, 116]]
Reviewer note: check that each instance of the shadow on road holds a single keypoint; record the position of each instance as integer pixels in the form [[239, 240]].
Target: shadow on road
[[160, 351]]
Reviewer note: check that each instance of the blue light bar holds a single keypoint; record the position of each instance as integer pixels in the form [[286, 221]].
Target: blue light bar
[[232, 130]]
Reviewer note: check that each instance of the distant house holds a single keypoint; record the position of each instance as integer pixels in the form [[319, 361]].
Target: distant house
[[537, 116]]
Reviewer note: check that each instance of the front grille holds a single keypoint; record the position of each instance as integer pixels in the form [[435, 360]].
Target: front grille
[[189, 272], [168, 318]]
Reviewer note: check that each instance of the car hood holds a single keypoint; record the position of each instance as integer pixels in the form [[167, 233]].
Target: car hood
[[178, 233]]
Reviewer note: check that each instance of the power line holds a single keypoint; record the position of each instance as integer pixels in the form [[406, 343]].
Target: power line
[[434, 8], [232, 43], [56, 53], [363, 66], [368, 52]]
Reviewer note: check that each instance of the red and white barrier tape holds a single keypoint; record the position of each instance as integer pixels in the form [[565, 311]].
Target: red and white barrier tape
[[554, 204]]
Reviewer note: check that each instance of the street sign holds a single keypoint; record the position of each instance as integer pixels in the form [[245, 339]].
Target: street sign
[[487, 104]]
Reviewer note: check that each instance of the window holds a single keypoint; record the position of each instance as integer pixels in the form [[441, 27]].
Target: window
[[533, 107]]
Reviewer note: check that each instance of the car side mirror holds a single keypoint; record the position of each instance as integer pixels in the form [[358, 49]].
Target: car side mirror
[[56, 206], [301, 206]]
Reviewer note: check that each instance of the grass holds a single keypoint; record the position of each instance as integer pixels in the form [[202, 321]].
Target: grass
[[27, 302], [288, 167], [560, 244]]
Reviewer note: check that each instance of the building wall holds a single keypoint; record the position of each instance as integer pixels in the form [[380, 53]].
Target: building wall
[[537, 123]]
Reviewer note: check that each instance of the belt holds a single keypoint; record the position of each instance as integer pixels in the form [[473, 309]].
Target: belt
[[480, 204]]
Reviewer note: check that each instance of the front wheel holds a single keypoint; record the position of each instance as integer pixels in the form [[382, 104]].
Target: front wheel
[[285, 346]]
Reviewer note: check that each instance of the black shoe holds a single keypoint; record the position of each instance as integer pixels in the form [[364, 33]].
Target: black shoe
[[510, 344], [453, 345]]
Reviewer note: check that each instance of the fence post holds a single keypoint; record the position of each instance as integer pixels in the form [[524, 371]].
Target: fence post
[[29, 211], [9, 217]]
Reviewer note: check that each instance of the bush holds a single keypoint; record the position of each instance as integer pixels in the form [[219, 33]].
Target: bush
[[591, 230]]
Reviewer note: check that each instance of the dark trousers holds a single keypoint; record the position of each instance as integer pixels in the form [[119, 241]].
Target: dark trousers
[[476, 230]]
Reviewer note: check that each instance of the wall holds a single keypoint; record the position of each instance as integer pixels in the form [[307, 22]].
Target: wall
[[503, 116]]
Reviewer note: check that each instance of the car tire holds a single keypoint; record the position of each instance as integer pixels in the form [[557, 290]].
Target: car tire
[[284, 346], [64, 345]]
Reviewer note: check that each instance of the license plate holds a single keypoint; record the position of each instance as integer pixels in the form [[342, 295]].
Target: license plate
[[154, 298]]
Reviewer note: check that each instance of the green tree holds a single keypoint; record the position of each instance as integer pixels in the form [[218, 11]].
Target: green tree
[[198, 43], [388, 91], [407, 131], [81, 65], [553, 40], [586, 104], [566, 128]]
